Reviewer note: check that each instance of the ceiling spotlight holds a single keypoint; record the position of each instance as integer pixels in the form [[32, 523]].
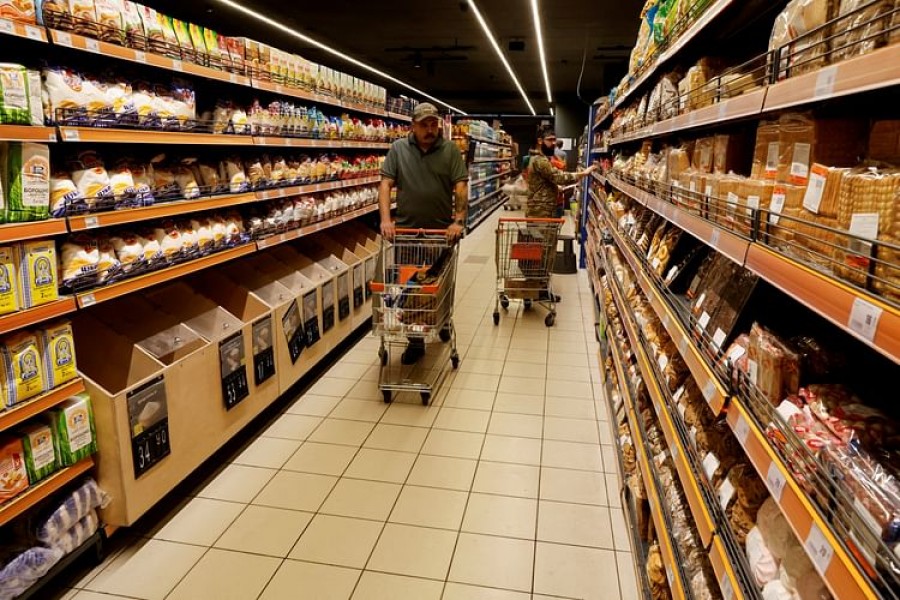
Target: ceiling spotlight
[[334, 52]]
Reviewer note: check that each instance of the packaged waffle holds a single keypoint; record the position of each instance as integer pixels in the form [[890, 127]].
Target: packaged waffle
[[84, 17], [111, 18], [57, 346], [22, 372], [39, 449]]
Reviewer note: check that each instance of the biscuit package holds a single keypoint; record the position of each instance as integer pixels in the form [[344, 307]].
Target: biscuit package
[[74, 429]]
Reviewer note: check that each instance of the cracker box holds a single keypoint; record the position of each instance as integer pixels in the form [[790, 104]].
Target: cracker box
[[39, 449], [58, 353], [74, 429], [38, 273]]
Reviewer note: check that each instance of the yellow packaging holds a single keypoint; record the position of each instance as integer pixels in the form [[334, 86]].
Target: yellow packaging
[[38, 273], [57, 346], [22, 371], [9, 290]]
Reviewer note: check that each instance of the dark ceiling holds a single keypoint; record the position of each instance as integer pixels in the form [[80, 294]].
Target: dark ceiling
[[438, 46]]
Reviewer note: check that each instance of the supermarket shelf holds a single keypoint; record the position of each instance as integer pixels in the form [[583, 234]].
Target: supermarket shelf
[[683, 40], [300, 232], [879, 69], [26, 410], [487, 179], [316, 143], [478, 201], [80, 42], [16, 232], [157, 211], [23, 30], [366, 145], [726, 242], [315, 188], [830, 558], [129, 286], [478, 161], [829, 297], [484, 215], [103, 135], [38, 314], [35, 494], [27, 133], [301, 94], [714, 391], [483, 140]]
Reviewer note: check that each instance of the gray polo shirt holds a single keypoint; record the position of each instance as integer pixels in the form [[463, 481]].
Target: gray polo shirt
[[424, 181]]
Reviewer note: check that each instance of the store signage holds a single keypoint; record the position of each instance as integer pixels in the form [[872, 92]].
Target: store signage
[[327, 308], [148, 418], [233, 363], [292, 325], [358, 291], [311, 319], [263, 350]]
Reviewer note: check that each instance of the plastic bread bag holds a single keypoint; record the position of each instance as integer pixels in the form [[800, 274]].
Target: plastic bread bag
[[123, 187], [84, 15], [79, 258], [184, 102], [92, 178], [217, 224], [152, 249], [204, 232], [208, 176], [65, 197], [862, 31], [774, 529], [255, 173], [153, 30], [775, 590], [232, 173], [108, 266], [165, 184], [75, 537], [187, 180], [19, 574], [798, 575], [169, 238], [75, 507], [189, 241], [129, 250], [799, 18], [142, 174]]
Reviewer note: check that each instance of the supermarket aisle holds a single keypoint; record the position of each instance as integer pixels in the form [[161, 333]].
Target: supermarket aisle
[[505, 488]]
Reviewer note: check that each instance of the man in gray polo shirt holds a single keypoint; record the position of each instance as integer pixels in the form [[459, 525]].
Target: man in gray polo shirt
[[432, 188]]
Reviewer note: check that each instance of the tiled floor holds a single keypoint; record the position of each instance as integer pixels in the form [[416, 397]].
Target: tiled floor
[[503, 489]]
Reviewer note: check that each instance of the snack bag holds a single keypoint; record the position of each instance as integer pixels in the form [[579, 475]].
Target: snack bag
[[134, 26], [54, 13], [73, 426], [57, 346], [27, 183], [84, 17], [9, 293], [183, 38], [37, 271], [39, 450], [153, 29], [198, 40], [14, 108], [22, 367], [18, 10]]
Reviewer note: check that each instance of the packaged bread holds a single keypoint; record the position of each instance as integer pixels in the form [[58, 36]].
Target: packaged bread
[[57, 347], [73, 426], [860, 28], [729, 153], [13, 474], [801, 53], [703, 155], [766, 152], [129, 251], [91, 177], [774, 367], [37, 272], [23, 374], [39, 449], [14, 108]]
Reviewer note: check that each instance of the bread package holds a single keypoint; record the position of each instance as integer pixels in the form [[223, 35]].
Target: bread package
[[801, 50], [774, 367], [860, 28], [763, 565]]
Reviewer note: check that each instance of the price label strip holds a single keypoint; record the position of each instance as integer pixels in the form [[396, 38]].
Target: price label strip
[[263, 351], [232, 359], [292, 326], [818, 549], [148, 416]]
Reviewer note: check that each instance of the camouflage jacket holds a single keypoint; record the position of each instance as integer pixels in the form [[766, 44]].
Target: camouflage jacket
[[543, 187]]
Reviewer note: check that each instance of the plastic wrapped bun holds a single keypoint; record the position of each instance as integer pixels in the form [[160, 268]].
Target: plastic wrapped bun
[[774, 529], [762, 564]]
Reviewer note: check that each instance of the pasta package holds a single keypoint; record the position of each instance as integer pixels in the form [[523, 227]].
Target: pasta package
[[73, 426], [9, 289], [38, 273], [22, 368], [27, 182], [39, 450], [57, 346], [14, 109], [13, 474]]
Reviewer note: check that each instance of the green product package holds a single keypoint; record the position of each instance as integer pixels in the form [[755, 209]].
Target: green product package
[[74, 429], [40, 452], [27, 183], [14, 109]]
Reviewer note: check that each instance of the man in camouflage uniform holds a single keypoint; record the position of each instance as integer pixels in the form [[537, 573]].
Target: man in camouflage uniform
[[544, 179]]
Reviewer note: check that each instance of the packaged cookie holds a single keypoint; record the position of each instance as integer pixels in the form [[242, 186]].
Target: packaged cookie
[[38, 273], [22, 367], [54, 14], [14, 108], [13, 474], [74, 429], [39, 451], [57, 347]]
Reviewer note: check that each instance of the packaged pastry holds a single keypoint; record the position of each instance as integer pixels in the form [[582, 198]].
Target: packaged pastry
[[58, 352], [198, 41], [797, 20], [860, 28], [9, 292], [13, 474], [37, 270], [111, 18], [183, 36], [73, 426], [27, 182], [22, 372], [14, 108], [39, 451], [773, 367], [80, 258]]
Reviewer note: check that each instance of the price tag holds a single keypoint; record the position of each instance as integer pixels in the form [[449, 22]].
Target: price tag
[[777, 205], [825, 82], [91, 222], [263, 350], [753, 370], [723, 110], [714, 238], [292, 326], [775, 481], [727, 587], [726, 493], [63, 39], [742, 430], [148, 417], [663, 362], [816, 188], [51, 137], [71, 135], [92, 45], [233, 77], [666, 321], [7, 26], [670, 576], [864, 318], [177, 65], [233, 365], [710, 465], [704, 320], [818, 548], [33, 33], [88, 300], [709, 391], [719, 338], [674, 452], [140, 56]]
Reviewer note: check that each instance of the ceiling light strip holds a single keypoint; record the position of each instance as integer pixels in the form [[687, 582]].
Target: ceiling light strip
[[493, 40], [536, 14], [334, 52]]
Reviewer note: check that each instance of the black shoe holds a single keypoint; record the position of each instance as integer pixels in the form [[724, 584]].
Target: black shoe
[[412, 354]]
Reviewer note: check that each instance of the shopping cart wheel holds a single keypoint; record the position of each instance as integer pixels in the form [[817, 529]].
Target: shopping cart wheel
[[382, 354], [528, 305], [454, 360], [504, 301], [387, 396], [445, 335], [550, 319], [496, 317], [426, 398]]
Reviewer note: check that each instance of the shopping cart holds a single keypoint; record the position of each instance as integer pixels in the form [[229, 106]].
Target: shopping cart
[[413, 291], [526, 251]]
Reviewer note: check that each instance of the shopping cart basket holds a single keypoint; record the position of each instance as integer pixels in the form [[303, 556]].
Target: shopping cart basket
[[413, 292], [526, 251]]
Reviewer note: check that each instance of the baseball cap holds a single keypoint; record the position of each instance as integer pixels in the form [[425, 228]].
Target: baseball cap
[[426, 110]]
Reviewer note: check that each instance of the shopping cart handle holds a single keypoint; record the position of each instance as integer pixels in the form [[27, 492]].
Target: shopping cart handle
[[411, 231], [526, 220]]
